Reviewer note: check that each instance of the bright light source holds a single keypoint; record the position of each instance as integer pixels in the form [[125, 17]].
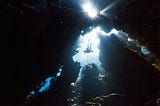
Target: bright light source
[[90, 10]]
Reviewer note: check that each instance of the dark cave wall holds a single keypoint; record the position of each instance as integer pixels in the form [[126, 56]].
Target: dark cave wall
[[141, 20]]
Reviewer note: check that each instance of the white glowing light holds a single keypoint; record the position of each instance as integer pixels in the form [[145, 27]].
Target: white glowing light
[[113, 31], [103, 12], [90, 27], [91, 39], [130, 40], [90, 10], [82, 31], [88, 49]]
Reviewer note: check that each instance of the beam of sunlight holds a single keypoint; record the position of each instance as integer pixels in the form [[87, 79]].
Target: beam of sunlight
[[88, 49], [103, 12], [90, 9], [87, 55]]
